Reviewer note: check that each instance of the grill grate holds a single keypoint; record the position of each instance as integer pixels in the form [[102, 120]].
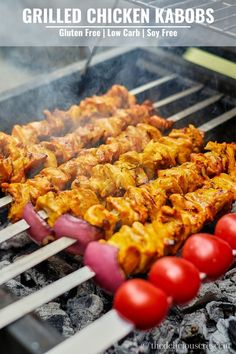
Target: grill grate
[[224, 11], [195, 103]]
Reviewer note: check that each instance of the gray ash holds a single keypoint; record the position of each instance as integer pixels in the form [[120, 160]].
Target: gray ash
[[205, 325]]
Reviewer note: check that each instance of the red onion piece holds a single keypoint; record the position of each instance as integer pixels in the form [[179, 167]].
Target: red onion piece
[[80, 230], [39, 230], [103, 260]]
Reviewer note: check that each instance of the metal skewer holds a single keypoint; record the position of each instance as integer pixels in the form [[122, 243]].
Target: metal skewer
[[30, 260], [111, 323], [206, 127], [197, 107], [177, 96], [152, 84], [31, 302]]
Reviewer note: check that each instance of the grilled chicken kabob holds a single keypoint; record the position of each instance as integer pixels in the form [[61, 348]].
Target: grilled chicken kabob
[[133, 250], [19, 163], [143, 203], [19, 160], [132, 169], [58, 123], [139, 203], [54, 179]]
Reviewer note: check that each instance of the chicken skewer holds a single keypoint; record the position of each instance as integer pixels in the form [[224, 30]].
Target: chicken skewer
[[60, 122], [16, 169], [111, 320], [53, 179], [132, 169], [21, 153], [139, 203], [206, 127], [164, 235], [143, 203], [21, 161], [139, 245], [56, 246], [22, 157], [181, 140], [22, 225]]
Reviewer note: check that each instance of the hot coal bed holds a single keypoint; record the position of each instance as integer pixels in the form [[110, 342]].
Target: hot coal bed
[[208, 323]]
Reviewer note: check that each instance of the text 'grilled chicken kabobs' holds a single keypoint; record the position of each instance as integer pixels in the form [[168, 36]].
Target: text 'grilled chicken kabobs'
[[20, 159]]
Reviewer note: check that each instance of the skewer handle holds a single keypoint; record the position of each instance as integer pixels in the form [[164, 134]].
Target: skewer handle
[[111, 324]]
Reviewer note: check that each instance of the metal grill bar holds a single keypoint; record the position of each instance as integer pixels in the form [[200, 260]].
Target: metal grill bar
[[34, 258], [111, 323], [5, 200], [31, 302], [152, 84], [206, 127], [11, 230], [221, 7], [177, 96], [197, 107]]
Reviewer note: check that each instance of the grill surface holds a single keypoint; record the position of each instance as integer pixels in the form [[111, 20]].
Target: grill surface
[[224, 11], [184, 92]]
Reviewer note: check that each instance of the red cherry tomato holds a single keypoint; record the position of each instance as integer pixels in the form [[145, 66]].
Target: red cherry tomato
[[142, 303], [177, 277], [226, 229], [210, 254]]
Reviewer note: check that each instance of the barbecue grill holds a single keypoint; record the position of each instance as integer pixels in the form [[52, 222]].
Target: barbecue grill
[[221, 31], [182, 91]]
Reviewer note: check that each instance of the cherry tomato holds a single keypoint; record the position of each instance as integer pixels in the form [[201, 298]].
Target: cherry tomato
[[142, 303], [177, 277], [210, 254], [226, 229]]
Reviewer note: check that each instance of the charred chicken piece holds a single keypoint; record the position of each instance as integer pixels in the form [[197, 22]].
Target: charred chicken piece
[[62, 149], [60, 122]]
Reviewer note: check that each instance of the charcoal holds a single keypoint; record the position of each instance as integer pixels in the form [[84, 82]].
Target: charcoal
[[232, 331], [219, 341], [209, 291], [84, 309], [130, 346], [205, 325], [17, 288], [194, 326], [228, 286], [19, 241], [56, 317], [217, 310]]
